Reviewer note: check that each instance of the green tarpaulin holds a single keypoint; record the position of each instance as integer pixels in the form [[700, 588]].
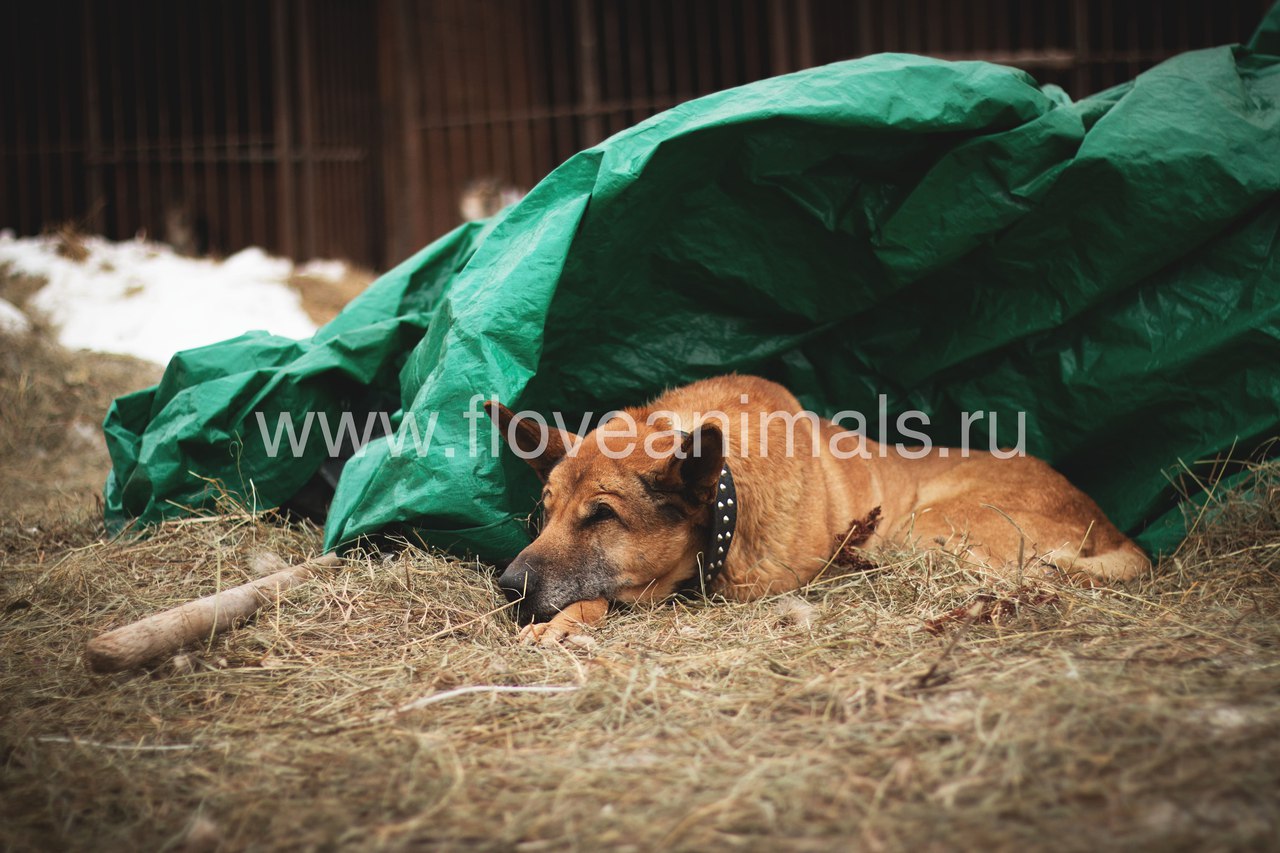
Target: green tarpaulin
[[949, 235]]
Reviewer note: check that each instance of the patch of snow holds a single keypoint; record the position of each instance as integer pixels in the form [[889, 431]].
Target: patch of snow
[[145, 300], [331, 271], [1227, 719], [255, 263], [85, 433], [12, 320]]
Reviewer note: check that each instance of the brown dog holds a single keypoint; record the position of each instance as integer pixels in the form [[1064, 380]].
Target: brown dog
[[635, 515]]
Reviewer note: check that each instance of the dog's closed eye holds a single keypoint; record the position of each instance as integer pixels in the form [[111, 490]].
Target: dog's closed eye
[[599, 513]]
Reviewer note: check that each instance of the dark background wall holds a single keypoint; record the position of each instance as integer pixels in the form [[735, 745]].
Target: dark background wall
[[337, 128]]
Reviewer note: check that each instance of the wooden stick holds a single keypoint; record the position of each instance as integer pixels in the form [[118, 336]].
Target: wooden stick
[[158, 635]]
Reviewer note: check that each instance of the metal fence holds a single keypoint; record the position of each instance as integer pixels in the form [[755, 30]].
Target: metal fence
[[346, 129]]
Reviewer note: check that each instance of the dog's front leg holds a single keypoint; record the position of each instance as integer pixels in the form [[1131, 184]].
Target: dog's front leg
[[572, 620]]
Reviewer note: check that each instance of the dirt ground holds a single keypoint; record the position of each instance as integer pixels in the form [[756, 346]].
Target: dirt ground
[[914, 706], [322, 299], [53, 459]]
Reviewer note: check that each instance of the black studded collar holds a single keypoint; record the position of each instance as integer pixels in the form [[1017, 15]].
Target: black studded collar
[[724, 523]]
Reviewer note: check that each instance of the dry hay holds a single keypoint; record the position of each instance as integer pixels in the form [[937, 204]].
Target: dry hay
[[1147, 715], [1038, 715], [53, 459], [322, 298]]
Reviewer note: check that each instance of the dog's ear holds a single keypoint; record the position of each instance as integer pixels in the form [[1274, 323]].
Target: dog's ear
[[526, 437], [695, 475]]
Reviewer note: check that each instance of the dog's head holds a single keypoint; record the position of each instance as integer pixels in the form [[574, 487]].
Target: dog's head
[[623, 518]]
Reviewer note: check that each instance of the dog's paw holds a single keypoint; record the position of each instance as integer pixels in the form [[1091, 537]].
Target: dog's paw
[[569, 625], [549, 635], [546, 634]]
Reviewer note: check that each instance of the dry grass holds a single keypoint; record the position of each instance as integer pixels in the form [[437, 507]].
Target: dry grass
[[1145, 716], [18, 287], [53, 459], [323, 299]]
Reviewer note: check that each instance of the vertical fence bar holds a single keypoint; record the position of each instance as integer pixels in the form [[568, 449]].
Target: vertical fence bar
[[1108, 46], [306, 91], [92, 122], [1047, 35], [43, 147], [1080, 74], [7, 209], [779, 46], [208, 152], [514, 133], [749, 49], [976, 28], [727, 26], [660, 36], [391, 116], [1134, 66], [366, 181], [866, 28], [430, 113], [588, 71], [483, 111], [141, 142], [232, 143], [703, 45], [683, 81], [186, 133], [560, 51], [890, 34], [639, 47], [256, 149], [410, 71], [21, 146], [448, 170], [330, 129], [1157, 31], [165, 150], [283, 131], [911, 29], [611, 49], [121, 227], [453, 97], [64, 66], [1026, 38], [533, 156], [934, 23], [317, 90], [1003, 35]]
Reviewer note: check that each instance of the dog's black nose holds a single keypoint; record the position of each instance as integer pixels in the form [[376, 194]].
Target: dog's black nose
[[514, 583], [518, 584]]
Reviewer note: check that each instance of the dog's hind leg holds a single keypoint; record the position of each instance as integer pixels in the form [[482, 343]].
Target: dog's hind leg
[[997, 540], [1120, 564]]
